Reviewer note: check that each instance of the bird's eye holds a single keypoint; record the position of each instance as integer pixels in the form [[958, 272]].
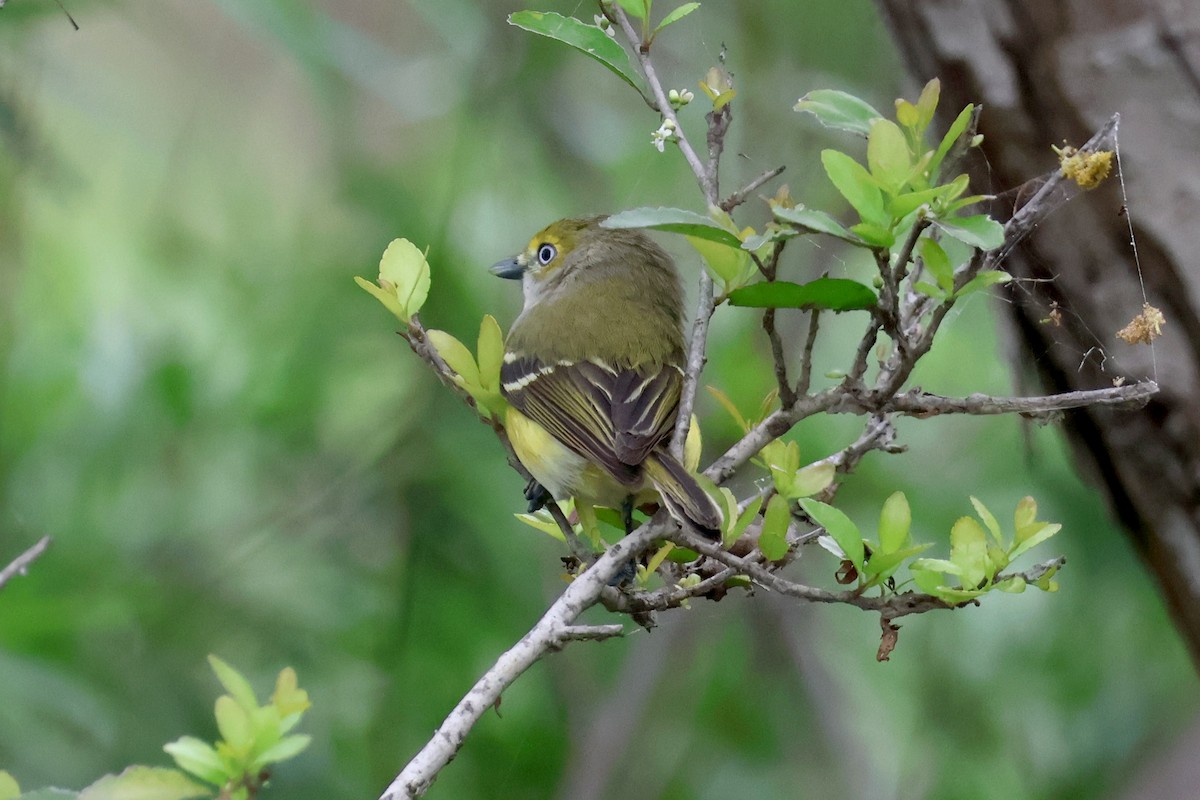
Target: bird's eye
[[546, 253]]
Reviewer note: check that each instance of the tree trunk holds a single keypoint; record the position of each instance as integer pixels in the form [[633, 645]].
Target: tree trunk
[[1049, 70]]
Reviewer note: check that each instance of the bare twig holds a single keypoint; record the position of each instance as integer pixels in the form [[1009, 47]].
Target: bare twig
[[21, 563], [642, 52], [737, 198], [806, 358], [787, 397], [917, 403]]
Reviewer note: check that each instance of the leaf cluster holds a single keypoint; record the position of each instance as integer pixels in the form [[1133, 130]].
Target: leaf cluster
[[253, 739]]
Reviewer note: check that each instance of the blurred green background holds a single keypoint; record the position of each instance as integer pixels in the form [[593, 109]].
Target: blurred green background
[[235, 453]]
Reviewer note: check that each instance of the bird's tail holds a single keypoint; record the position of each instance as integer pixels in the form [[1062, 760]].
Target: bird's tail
[[682, 494]]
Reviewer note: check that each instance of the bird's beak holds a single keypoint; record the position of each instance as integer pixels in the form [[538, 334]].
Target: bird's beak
[[510, 268]]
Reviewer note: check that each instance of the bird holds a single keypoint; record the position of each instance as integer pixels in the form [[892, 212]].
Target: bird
[[593, 372]]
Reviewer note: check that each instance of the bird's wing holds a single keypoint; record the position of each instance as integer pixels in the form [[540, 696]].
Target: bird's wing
[[611, 416]]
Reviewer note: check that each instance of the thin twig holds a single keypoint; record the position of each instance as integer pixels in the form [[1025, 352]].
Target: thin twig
[[737, 198], [786, 396], [21, 563], [642, 52], [917, 403], [806, 358]]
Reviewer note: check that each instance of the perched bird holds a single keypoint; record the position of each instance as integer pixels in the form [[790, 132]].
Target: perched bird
[[593, 370]]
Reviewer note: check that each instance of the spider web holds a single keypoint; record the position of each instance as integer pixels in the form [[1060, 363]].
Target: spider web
[[1037, 290]]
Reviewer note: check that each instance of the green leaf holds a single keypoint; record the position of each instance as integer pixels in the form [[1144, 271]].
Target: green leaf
[[968, 551], [773, 539], [457, 357], [888, 156], [835, 294], [638, 9], [814, 478], [49, 794], [285, 748], [895, 521], [813, 220], [145, 783], [8, 786], [234, 682], [956, 130], [839, 110], [730, 265], [782, 459], [939, 565], [491, 353], [197, 757], [856, 185], [1024, 518], [676, 15], [543, 522], [1013, 585], [288, 698], [839, 527], [384, 296], [904, 204], [927, 103], [673, 220], [989, 521], [404, 271], [234, 723], [743, 520], [587, 39], [938, 263], [962, 203], [979, 231], [936, 292], [874, 235], [982, 281], [1033, 541], [882, 565]]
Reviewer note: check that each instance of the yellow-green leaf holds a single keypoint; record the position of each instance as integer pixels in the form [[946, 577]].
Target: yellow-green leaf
[[676, 15], [234, 682], [728, 264], [812, 479], [772, 541], [197, 757], [145, 783], [968, 550], [384, 296], [457, 357], [927, 103], [543, 522], [989, 521], [404, 271], [840, 528], [288, 697], [491, 353], [743, 520], [895, 521], [857, 185], [234, 723], [888, 156], [9, 789]]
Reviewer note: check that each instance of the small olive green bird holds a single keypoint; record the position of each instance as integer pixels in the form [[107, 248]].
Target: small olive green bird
[[593, 370]]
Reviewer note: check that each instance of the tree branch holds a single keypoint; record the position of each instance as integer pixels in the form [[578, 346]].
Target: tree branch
[[20, 564], [554, 628]]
